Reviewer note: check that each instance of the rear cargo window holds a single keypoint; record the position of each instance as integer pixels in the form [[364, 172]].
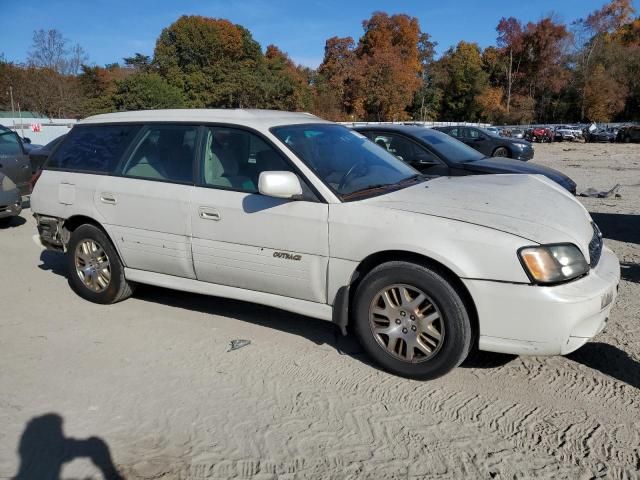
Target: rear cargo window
[[93, 149]]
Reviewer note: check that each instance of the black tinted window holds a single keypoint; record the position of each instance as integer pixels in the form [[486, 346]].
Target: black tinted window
[[450, 148], [93, 148], [164, 152]]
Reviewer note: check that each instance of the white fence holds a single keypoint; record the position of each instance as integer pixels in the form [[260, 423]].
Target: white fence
[[46, 129]]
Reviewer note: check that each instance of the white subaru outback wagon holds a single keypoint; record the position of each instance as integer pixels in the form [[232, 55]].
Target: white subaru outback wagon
[[289, 210]]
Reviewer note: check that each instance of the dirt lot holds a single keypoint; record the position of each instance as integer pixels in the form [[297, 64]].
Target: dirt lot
[[148, 384]]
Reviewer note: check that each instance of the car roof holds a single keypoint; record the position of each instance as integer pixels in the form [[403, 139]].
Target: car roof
[[239, 116], [415, 129]]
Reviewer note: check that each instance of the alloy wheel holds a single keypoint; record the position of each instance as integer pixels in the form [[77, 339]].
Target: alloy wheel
[[406, 323], [92, 265]]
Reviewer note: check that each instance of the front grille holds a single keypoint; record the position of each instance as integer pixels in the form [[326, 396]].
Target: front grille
[[595, 246]]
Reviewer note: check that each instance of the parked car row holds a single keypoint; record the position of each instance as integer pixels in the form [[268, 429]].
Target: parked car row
[[288, 210], [628, 133], [570, 133]]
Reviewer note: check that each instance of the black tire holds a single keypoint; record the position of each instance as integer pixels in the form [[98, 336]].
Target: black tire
[[456, 339], [627, 139], [502, 152], [118, 288]]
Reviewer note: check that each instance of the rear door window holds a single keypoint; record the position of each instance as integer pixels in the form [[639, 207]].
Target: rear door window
[[163, 152], [93, 149]]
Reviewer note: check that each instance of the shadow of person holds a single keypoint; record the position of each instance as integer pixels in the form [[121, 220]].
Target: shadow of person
[[44, 450], [609, 360]]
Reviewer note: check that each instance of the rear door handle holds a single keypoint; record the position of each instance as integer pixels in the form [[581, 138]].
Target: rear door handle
[[207, 213], [108, 198]]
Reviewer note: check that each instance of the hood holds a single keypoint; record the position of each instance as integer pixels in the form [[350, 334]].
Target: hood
[[529, 206], [508, 165]]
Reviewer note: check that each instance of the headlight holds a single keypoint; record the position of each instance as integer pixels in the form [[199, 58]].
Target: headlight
[[548, 264]]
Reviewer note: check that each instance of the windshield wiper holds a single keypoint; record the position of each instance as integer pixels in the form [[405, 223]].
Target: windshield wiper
[[368, 189], [413, 178], [384, 186]]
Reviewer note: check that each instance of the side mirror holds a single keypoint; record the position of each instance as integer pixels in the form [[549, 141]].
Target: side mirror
[[280, 185], [26, 139]]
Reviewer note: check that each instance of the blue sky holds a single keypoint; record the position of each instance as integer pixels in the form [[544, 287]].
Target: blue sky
[[112, 29]]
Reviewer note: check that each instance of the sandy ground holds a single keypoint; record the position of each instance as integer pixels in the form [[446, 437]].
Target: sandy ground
[[149, 386]]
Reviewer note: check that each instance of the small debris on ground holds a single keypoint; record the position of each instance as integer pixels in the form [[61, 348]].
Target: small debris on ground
[[592, 192], [236, 344]]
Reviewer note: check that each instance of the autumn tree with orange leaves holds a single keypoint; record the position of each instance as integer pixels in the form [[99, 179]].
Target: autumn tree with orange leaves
[[377, 78], [544, 71]]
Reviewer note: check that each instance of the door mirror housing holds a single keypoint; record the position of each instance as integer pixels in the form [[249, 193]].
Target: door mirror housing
[[280, 184]]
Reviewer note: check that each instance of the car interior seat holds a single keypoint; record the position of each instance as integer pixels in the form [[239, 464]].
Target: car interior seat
[[146, 162], [221, 165]]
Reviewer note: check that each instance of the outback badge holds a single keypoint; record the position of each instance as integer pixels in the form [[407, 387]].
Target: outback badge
[[287, 256]]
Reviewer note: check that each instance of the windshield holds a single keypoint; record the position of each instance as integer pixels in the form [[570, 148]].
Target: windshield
[[345, 160], [450, 148], [491, 133]]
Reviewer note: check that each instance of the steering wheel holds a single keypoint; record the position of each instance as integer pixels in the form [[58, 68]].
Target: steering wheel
[[350, 172]]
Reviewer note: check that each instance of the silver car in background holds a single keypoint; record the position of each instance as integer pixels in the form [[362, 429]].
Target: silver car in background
[[10, 200]]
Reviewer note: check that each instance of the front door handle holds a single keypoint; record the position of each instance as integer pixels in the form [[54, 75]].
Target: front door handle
[[108, 198], [208, 214]]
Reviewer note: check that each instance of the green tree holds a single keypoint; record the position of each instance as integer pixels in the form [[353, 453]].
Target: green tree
[[146, 91], [214, 62], [461, 79], [286, 86]]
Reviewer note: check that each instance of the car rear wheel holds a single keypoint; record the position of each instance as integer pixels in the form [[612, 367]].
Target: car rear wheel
[[501, 152], [411, 320], [95, 270]]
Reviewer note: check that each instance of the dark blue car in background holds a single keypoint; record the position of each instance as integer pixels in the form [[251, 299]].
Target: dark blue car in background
[[435, 153]]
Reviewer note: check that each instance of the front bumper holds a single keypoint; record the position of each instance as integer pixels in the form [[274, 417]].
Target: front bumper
[[536, 320], [524, 155]]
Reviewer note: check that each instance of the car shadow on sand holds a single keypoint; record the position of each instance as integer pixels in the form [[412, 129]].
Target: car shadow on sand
[[618, 226], [13, 222], [318, 331], [617, 364], [44, 450], [609, 360]]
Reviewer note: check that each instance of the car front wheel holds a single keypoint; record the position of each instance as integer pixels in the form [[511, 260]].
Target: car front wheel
[[502, 152], [95, 270], [411, 320]]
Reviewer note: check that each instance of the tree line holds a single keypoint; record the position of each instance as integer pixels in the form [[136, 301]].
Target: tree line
[[544, 71]]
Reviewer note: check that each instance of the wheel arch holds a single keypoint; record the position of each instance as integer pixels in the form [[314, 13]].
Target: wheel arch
[[75, 221], [374, 260], [72, 223], [506, 147]]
